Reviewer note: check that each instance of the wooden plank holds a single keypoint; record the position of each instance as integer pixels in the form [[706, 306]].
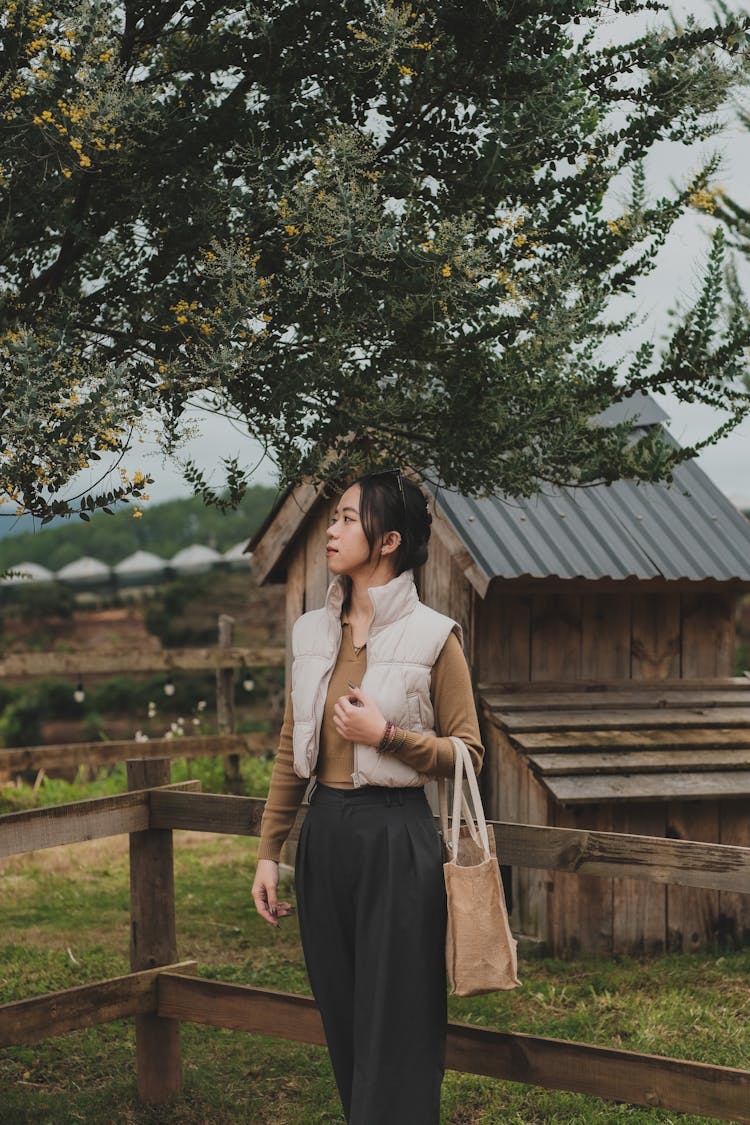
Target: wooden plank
[[708, 633], [694, 786], [629, 720], [443, 532], [593, 687], [55, 1013], [641, 761], [604, 1072], [639, 910], [212, 812], [317, 577], [655, 636], [58, 755], [704, 738], [153, 941], [734, 909], [21, 665], [605, 635], [692, 913], [225, 706], [555, 636], [285, 525], [510, 702], [650, 1080], [680, 862], [503, 641], [580, 905], [77, 821]]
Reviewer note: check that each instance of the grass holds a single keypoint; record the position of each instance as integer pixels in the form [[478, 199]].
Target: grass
[[65, 922], [108, 781]]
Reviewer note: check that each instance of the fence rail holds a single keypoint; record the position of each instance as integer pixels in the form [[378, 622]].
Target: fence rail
[[98, 662], [163, 996], [63, 755]]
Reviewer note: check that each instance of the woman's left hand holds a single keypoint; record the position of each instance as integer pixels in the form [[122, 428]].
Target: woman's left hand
[[357, 718]]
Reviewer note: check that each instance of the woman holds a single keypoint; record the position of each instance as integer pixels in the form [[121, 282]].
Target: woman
[[375, 675]]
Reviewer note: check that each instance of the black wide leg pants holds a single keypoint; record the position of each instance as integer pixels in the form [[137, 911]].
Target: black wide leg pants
[[371, 902]]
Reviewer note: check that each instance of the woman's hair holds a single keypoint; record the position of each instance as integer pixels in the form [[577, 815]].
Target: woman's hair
[[389, 501]]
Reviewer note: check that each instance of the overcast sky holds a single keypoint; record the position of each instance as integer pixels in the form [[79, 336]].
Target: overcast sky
[[727, 463]]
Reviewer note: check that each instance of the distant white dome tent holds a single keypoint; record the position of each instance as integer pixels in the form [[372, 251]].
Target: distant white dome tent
[[140, 568], [195, 559], [28, 572], [85, 571], [238, 557]]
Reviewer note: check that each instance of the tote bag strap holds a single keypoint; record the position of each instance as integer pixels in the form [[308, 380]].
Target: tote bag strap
[[473, 817], [443, 809]]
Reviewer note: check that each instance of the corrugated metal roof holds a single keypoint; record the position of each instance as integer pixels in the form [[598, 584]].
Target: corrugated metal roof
[[686, 530]]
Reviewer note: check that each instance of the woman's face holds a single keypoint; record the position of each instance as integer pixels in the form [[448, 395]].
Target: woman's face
[[347, 549]]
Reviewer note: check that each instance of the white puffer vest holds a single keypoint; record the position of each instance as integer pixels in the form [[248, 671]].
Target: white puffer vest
[[404, 641]]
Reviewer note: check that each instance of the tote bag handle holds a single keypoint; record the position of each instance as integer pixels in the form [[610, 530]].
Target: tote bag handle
[[473, 816]]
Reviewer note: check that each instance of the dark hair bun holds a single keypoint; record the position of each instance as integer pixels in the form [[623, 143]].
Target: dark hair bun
[[392, 502]]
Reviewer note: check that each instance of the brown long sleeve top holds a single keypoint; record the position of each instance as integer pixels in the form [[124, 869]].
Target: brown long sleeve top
[[432, 754]]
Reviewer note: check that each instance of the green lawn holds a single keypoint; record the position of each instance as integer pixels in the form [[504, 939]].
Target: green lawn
[[64, 921]]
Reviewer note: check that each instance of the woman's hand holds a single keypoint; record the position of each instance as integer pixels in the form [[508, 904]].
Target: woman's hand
[[264, 892], [358, 718]]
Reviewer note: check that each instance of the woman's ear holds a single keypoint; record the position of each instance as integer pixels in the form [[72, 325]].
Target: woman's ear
[[391, 542]]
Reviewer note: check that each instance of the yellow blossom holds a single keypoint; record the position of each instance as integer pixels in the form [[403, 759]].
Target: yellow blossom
[[446, 270], [703, 200], [406, 72], [291, 229], [520, 240], [137, 514], [106, 56], [206, 329], [139, 478]]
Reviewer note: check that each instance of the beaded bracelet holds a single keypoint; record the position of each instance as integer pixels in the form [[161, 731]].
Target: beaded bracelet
[[387, 736]]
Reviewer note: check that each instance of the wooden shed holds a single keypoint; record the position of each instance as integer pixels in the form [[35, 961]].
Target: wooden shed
[[600, 629]]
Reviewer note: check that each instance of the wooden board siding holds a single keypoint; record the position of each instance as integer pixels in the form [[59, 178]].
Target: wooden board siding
[[663, 763], [622, 634], [708, 634], [655, 636], [580, 906], [317, 577], [556, 624], [605, 637], [734, 909], [639, 909], [692, 914]]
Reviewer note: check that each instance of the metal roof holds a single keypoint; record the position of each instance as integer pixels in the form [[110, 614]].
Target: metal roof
[[685, 530]]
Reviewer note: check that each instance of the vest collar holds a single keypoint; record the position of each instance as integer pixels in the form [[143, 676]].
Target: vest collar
[[391, 602]]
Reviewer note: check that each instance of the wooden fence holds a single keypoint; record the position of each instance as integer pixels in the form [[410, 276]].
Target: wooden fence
[[161, 992], [224, 659]]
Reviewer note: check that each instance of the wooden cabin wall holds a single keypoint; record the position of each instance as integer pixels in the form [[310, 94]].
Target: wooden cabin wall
[[573, 634], [621, 634]]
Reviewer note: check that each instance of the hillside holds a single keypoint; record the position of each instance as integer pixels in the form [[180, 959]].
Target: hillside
[[163, 529]]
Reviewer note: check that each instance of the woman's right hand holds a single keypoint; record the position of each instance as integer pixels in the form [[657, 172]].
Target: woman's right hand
[[264, 892]]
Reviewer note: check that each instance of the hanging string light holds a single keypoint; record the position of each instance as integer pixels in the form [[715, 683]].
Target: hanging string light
[[79, 694]]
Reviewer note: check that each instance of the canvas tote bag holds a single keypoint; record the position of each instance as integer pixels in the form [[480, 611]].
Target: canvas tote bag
[[480, 951]]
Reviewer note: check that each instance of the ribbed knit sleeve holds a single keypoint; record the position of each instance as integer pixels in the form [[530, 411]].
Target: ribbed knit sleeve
[[284, 795]]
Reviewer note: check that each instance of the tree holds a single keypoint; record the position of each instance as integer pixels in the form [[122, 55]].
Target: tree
[[369, 231]]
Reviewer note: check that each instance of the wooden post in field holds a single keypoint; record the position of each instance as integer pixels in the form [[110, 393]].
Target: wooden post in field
[[225, 706], [153, 940]]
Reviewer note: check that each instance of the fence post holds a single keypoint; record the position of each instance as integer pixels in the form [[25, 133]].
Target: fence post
[[225, 706], [153, 940]]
